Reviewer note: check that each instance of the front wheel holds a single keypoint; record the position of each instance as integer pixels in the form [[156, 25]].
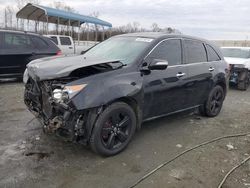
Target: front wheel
[[214, 102], [113, 129]]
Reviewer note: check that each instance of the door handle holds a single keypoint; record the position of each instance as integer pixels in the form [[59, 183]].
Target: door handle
[[211, 69], [70, 47], [180, 74]]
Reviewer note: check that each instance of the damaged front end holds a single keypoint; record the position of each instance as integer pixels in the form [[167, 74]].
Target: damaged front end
[[48, 101]]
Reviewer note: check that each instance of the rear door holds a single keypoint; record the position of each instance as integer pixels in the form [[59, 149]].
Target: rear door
[[15, 54], [200, 72], [66, 45]]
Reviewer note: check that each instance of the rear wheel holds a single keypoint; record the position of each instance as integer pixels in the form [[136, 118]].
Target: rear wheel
[[214, 102], [114, 129]]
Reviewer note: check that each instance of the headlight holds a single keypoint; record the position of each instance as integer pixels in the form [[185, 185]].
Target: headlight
[[25, 76], [73, 90], [67, 92]]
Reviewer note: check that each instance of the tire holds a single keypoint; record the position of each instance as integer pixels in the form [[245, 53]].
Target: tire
[[113, 130], [214, 102], [243, 86], [244, 83]]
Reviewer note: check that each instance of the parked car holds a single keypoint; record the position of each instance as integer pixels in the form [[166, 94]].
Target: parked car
[[239, 60], [17, 49], [103, 96], [69, 46]]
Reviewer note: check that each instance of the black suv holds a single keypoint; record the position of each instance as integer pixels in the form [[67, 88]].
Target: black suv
[[101, 97], [18, 48]]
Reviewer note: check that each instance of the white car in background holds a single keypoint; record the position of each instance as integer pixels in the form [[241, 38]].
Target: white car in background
[[69, 46], [239, 60]]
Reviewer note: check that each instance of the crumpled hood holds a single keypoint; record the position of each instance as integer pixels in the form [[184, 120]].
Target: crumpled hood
[[238, 61], [60, 66]]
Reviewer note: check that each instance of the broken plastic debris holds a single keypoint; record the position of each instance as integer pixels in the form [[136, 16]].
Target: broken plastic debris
[[230, 147], [179, 146]]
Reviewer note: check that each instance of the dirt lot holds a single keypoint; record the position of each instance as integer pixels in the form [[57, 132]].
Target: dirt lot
[[29, 158]]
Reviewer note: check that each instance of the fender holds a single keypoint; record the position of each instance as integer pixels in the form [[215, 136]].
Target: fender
[[105, 88]]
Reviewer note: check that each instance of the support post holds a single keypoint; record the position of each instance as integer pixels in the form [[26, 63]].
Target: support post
[[28, 24], [57, 25], [103, 33], [87, 32], [69, 28], [79, 30], [17, 23], [47, 27]]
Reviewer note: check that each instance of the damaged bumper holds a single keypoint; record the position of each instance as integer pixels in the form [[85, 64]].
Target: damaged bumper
[[57, 116]]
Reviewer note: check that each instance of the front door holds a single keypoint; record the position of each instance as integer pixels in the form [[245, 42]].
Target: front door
[[164, 90]]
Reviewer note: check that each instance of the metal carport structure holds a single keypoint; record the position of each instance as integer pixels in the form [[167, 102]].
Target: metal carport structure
[[39, 13]]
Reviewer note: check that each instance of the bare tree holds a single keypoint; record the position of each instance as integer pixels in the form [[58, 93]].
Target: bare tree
[[8, 17], [155, 27], [96, 27]]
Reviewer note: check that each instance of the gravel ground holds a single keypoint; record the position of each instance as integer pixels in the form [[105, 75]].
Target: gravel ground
[[29, 158]]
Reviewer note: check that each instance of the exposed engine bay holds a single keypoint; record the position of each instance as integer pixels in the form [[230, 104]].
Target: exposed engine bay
[[49, 101]]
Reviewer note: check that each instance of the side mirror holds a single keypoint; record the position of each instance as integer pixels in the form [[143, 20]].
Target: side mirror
[[158, 64]]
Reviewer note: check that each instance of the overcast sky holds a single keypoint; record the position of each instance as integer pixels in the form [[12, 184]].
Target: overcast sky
[[212, 19]]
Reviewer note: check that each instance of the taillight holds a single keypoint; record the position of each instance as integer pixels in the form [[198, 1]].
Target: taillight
[[59, 52]]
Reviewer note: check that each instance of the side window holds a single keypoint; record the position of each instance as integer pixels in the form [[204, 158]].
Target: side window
[[54, 39], [212, 55], [39, 43], [195, 51], [65, 41], [16, 41], [169, 50]]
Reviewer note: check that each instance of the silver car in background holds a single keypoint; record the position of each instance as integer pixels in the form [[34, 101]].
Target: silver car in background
[[239, 60]]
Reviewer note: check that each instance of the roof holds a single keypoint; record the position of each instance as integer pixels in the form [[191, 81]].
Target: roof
[[40, 13]]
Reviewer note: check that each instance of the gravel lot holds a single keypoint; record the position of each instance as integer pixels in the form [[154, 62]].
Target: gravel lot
[[29, 158]]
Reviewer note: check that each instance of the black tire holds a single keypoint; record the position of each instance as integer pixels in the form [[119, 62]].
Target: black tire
[[214, 102], [243, 85], [244, 81], [114, 128]]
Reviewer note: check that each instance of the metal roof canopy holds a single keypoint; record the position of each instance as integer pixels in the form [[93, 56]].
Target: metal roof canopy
[[56, 16]]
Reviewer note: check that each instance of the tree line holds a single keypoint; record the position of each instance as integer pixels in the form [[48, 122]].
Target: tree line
[[87, 31]]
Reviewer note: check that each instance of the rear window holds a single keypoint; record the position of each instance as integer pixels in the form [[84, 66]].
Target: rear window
[[39, 43], [16, 41], [54, 39], [195, 51], [211, 53], [65, 41]]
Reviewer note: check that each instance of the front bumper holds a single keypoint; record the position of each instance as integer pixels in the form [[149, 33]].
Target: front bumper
[[56, 116]]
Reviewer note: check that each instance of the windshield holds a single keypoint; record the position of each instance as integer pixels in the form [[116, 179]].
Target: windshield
[[126, 49], [236, 52]]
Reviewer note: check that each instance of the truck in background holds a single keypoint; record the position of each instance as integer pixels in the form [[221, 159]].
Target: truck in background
[[69, 46]]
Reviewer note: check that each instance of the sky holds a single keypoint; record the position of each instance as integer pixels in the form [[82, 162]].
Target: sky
[[211, 19]]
